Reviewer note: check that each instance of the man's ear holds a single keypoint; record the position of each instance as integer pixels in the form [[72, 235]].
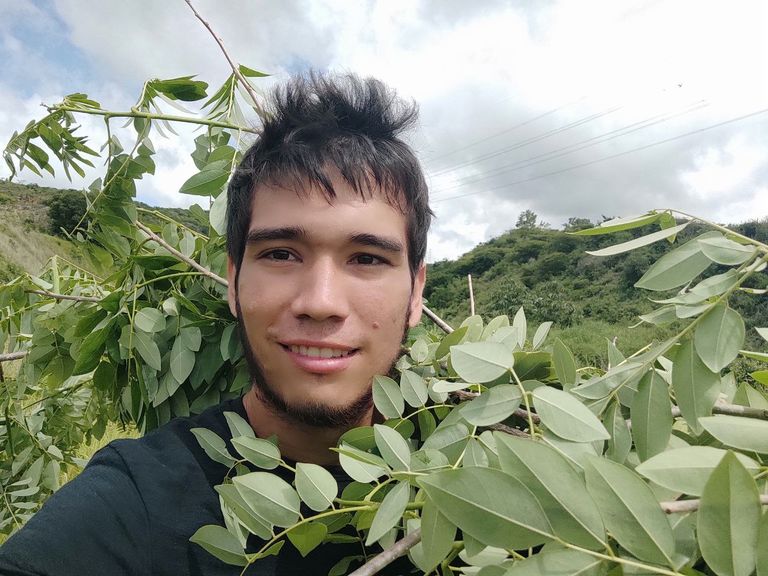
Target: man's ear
[[232, 287], [414, 313]]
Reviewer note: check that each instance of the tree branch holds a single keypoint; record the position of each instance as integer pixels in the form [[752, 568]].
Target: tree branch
[[389, 555], [520, 413], [202, 269], [680, 506], [64, 296], [727, 410], [436, 319], [235, 68], [12, 356]]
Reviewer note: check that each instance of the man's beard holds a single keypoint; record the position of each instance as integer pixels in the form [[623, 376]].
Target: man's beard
[[311, 413]]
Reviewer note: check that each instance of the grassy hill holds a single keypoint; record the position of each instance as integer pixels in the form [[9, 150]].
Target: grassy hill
[[590, 299]]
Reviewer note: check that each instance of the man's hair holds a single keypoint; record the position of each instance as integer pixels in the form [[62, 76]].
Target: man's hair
[[315, 125]]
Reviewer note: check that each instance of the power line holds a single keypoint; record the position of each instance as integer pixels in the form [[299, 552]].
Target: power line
[[610, 157], [578, 146]]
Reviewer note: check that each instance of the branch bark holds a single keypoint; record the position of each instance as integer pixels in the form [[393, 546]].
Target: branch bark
[[64, 296], [200, 268], [12, 356], [680, 506], [389, 555], [436, 319], [235, 68]]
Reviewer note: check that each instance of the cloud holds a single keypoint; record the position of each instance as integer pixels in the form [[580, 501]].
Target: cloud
[[568, 109]]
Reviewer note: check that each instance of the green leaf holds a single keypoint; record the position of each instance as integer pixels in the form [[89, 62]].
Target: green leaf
[[218, 541], [449, 340], [520, 322], [565, 416], [738, 432], [763, 333], [728, 519], [392, 447], [638, 242], [218, 214], [214, 446], [209, 181], [450, 440], [565, 365], [191, 337], [387, 397], [182, 361], [90, 352], [254, 523], [651, 414], [719, 336], [557, 486], [687, 469], [359, 465], [620, 224], [541, 334], [270, 496], [238, 426], [696, 387], [182, 88], [481, 362], [437, 536], [492, 406], [250, 72], [621, 440], [557, 562], [316, 486], [149, 320], [419, 351], [721, 250], [390, 512], [413, 389], [469, 498], [307, 537], [676, 268], [147, 349], [762, 547], [258, 451], [630, 511]]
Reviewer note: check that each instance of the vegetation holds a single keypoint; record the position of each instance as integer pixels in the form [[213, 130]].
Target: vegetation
[[501, 453]]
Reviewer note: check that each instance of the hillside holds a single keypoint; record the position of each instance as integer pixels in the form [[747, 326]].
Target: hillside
[[590, 299]]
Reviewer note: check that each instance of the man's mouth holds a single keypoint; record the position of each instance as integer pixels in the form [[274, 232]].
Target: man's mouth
[[316, 352]]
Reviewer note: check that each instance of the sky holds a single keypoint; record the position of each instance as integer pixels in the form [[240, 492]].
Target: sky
[[589, 109]]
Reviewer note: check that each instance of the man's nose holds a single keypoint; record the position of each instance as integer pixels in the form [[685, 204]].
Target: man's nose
[[321, 292]]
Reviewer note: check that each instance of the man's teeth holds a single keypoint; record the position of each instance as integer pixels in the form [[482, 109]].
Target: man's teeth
[[319, 352]]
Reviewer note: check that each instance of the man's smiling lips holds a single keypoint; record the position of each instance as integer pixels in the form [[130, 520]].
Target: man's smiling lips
[[319, 357]]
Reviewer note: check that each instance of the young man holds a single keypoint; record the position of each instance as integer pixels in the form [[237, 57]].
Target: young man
[[327, 225]]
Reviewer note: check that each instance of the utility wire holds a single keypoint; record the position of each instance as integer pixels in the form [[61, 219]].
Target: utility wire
[[610, 157], [576, 147]]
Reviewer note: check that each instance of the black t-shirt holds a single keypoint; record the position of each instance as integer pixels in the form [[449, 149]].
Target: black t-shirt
[[135, 506]]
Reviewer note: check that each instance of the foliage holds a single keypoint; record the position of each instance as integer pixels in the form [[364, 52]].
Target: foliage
[[67, 211], [498, 453]]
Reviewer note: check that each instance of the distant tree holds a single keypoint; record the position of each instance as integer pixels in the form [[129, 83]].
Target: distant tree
[[65, 211], [527, 220], [574, 224]]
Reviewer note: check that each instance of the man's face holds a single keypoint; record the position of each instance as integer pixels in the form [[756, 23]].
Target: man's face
[[324, 296]]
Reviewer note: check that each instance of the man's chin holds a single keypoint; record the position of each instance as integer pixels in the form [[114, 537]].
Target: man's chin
[[315, 413]]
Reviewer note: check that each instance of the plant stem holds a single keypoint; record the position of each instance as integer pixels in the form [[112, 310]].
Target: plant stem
[[202, 269], [13, 356], [681, 506], [378, 562], [64, 296]]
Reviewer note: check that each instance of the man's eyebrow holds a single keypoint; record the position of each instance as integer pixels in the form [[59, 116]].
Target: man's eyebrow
[[280, 233], [386, 244]]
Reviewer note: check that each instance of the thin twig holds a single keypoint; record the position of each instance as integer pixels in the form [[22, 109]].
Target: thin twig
[[202, 269], [680, 506], [235, 68], [389, 555], [12, 356], [436, 319], [471, 296], [726, 410], [64, 296]]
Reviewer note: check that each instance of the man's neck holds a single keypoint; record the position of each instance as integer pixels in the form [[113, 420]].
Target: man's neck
[[298, 442]]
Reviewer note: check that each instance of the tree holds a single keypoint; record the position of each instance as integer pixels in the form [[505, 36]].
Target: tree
[[67, 211], [498, 454]]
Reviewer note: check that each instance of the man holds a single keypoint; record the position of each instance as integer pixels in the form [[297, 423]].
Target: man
[[327, 224]]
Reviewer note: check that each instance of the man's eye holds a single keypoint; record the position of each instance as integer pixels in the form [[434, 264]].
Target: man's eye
[[368, 259], [282, 255]]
